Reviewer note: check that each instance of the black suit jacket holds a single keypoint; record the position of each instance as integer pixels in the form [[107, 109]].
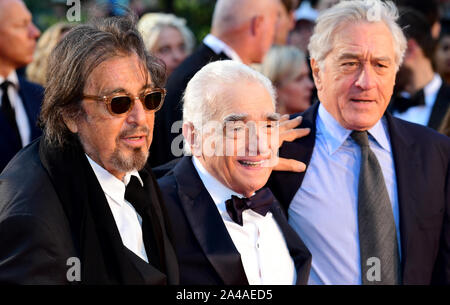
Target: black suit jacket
[[31, 95], [37, 236], [422, 166], [171, 111], [205, 250], [440, 107]]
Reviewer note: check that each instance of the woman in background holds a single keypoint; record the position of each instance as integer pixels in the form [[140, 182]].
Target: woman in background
[[37, 69], [288, 70], [167, 37]]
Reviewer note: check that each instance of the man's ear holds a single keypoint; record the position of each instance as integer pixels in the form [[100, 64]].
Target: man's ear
[[412, 49], [256, 24], [189, 135], [316, 73], [71, 124]]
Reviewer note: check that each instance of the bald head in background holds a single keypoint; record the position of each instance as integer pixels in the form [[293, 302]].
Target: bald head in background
[[18, 36], [247, 26]]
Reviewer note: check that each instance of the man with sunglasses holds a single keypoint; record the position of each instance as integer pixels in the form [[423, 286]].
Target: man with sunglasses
[[76, 205]]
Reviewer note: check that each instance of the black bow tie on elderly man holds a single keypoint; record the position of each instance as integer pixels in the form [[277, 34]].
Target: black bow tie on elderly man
[[261, 202]]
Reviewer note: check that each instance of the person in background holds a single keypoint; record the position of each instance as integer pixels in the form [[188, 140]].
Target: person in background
[[227, 229], [373, 205], [242, 30], [430, 9], [36, 71], [287, 68], [167, 37], [20, 100], [425, 98], [305, 18], [286, 21], [442, 55]]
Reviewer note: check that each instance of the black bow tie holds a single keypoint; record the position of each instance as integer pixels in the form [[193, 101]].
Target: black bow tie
[[260, 203], [402, 104]]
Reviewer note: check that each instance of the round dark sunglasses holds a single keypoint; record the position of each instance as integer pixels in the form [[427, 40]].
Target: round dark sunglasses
[[120, 103]]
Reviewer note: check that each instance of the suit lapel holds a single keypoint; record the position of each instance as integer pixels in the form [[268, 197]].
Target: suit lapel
[[297, 249], [207, 225], [440, 107], [284, 185], [407, 164]]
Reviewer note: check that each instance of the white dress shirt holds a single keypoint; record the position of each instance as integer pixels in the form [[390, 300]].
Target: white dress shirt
[[421, 114], [324, 209], [128, 222], [218, 46], [259, 241], [16, 103]]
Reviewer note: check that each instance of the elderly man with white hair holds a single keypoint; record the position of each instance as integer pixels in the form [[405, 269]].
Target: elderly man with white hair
[[374, 203], [227, 229], [241, 30]]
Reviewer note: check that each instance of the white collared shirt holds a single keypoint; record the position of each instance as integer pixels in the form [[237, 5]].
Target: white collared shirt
[[324, 209], [16, 103], [128, 222], [218, 46], [259, 240], [421, 114]]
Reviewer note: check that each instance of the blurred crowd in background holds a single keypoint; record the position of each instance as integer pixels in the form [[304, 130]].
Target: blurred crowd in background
[[172, 30]]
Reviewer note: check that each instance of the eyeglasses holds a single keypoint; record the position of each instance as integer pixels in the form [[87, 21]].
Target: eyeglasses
[[120, 103]]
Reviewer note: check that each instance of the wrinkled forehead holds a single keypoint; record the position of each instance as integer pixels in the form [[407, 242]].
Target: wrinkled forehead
[[365, 38]]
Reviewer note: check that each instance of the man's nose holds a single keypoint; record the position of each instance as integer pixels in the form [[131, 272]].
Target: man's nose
[[258, 140], [138, 114], [34, 31], [366, 77]]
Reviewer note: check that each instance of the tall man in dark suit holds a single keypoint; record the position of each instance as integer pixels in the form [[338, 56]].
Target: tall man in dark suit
[[242, 30], [425, 97], [373, 204], [75, 205], [224, 232], [20, 100]]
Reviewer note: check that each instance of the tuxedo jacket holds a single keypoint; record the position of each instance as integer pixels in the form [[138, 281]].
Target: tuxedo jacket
[[171, 111], [32, 96], [37, 235], [205, 250], [421, 158], [440, 107]]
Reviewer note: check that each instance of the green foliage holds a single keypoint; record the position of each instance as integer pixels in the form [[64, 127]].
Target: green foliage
[[198, 14]]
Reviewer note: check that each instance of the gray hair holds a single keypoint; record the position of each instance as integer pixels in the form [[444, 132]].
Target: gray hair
[[73, 60], [282, 64], [150, 26], [330, 20], [202, 98]]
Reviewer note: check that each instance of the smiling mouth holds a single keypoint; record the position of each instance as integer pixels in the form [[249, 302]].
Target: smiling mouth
[[251, 163]]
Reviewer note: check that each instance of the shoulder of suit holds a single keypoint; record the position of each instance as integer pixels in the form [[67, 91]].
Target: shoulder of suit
[[30, 86], [25, 187], [422, 135]]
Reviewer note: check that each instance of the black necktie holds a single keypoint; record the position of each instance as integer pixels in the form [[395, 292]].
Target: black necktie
[[260, 203], [136, 195], [376, 225], [9, 113]]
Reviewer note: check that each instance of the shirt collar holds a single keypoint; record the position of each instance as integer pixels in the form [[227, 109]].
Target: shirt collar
[[432, 88], [218, 46], [112, 186], [219, 192], [13, 78], [335, 135]]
